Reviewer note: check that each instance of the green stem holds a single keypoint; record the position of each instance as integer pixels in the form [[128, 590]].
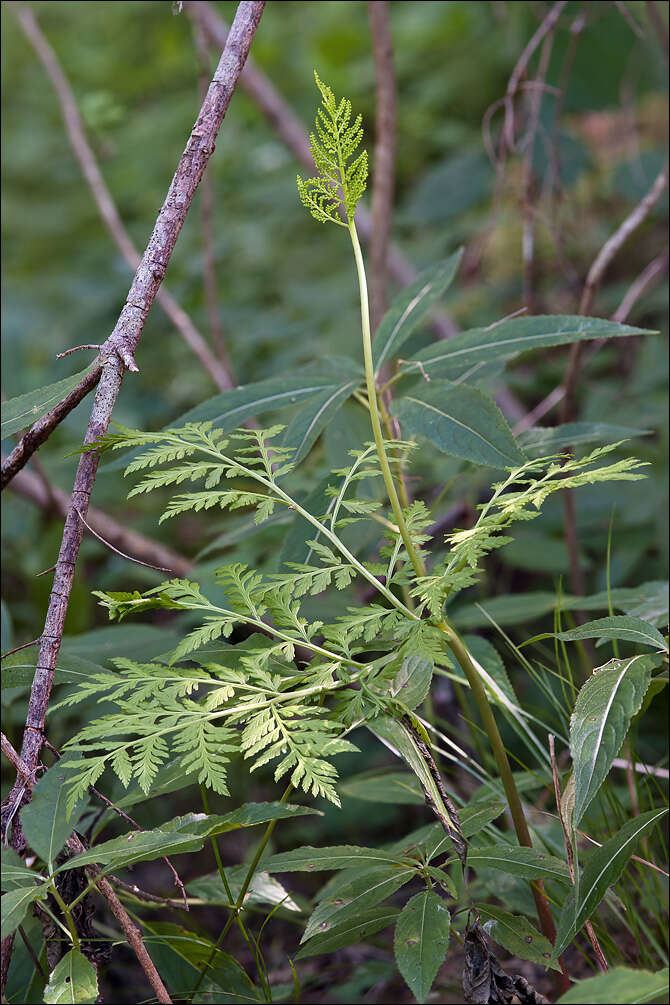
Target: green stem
[[455, 643], [242, 894], [67, 914]]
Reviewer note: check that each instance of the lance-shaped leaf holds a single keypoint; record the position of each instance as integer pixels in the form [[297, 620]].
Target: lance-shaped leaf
[[603, 868], [45, 821], [619, 986], [410, 306], [313, 417], [529, 863], [420, 941], [598, 726], [365, 888], [460, 421], [137, 846], [73, 980], [542, 442], [465, 352], [405, 743], [17, 413], [15, 904], [397, 787], [621, 627], [248, 815], [516, 934], [349, 933], [308, 859]]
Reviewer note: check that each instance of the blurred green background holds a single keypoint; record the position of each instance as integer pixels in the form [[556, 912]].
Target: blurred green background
[[285, 287]]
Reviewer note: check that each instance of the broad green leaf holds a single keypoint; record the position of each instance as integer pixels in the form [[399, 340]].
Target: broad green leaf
[[367, 888], [248, 815], [136, 846], [351, 932], [619, 627], [529, 863], [516, 934], [45, 822], [651, 605], [313, 416], [619, 986], [542, 442], [408, 678], [26, 409], [398, 739], [19, 670], [15, 873], [233, 985], [263, 889], [420, 941], [489, 657], [431, 841], [307, 859], [600, 720], [389, 787], [73, 980], [231, 409], [15, 904], [602, 869], [410, 306], [460, 421], [465, 351]]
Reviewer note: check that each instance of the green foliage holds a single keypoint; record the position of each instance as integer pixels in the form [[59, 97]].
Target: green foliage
[[421, 940], [74, 979], [340, 182]]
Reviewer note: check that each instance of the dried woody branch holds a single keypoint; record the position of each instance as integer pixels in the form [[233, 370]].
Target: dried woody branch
[[121, 539], [104, 887], [103, 198], [595, 275], [117, 355], [384, 156], [293, 134], [40, 432]]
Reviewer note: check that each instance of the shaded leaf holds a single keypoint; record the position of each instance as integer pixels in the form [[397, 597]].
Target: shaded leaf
[[620, 986], [516, 934], [137, 846], [600, 720], [313, 417], [460, 421], [410, 306], [307, 859], [420, 941], [26, 409], [248, 815], [517, 861], [15, 904], [365, 889], [619, 627], [602, 869], [351, 932], [390, 787], [541, 442], [73, 980], [45, 822], [508, 339]]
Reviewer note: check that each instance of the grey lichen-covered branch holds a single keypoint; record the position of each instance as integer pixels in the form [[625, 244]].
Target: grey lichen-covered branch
[[118, 354], [81, 148]]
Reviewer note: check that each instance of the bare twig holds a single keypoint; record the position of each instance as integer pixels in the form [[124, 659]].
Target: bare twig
[[18, 649], [588, 927], [127, 541], [640, 285], [103, 198], [44, 427], [384, 155], [522, 65], [293, 134], [529, 181], [158, 568], [76, 348], [32, 954], [600, 265], [119, 349], [658, 25]]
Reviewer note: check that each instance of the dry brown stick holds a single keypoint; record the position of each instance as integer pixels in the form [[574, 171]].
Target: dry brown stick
[[600, 265], [40, 432], [207, 217], [293, 134], [658, 26], [588, 927], [640, 285], [118, 351], [103, 198], [384, 157], [522, 65], [121, 538]]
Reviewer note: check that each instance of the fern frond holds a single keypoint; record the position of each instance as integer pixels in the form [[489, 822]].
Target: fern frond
[[340, 181]]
